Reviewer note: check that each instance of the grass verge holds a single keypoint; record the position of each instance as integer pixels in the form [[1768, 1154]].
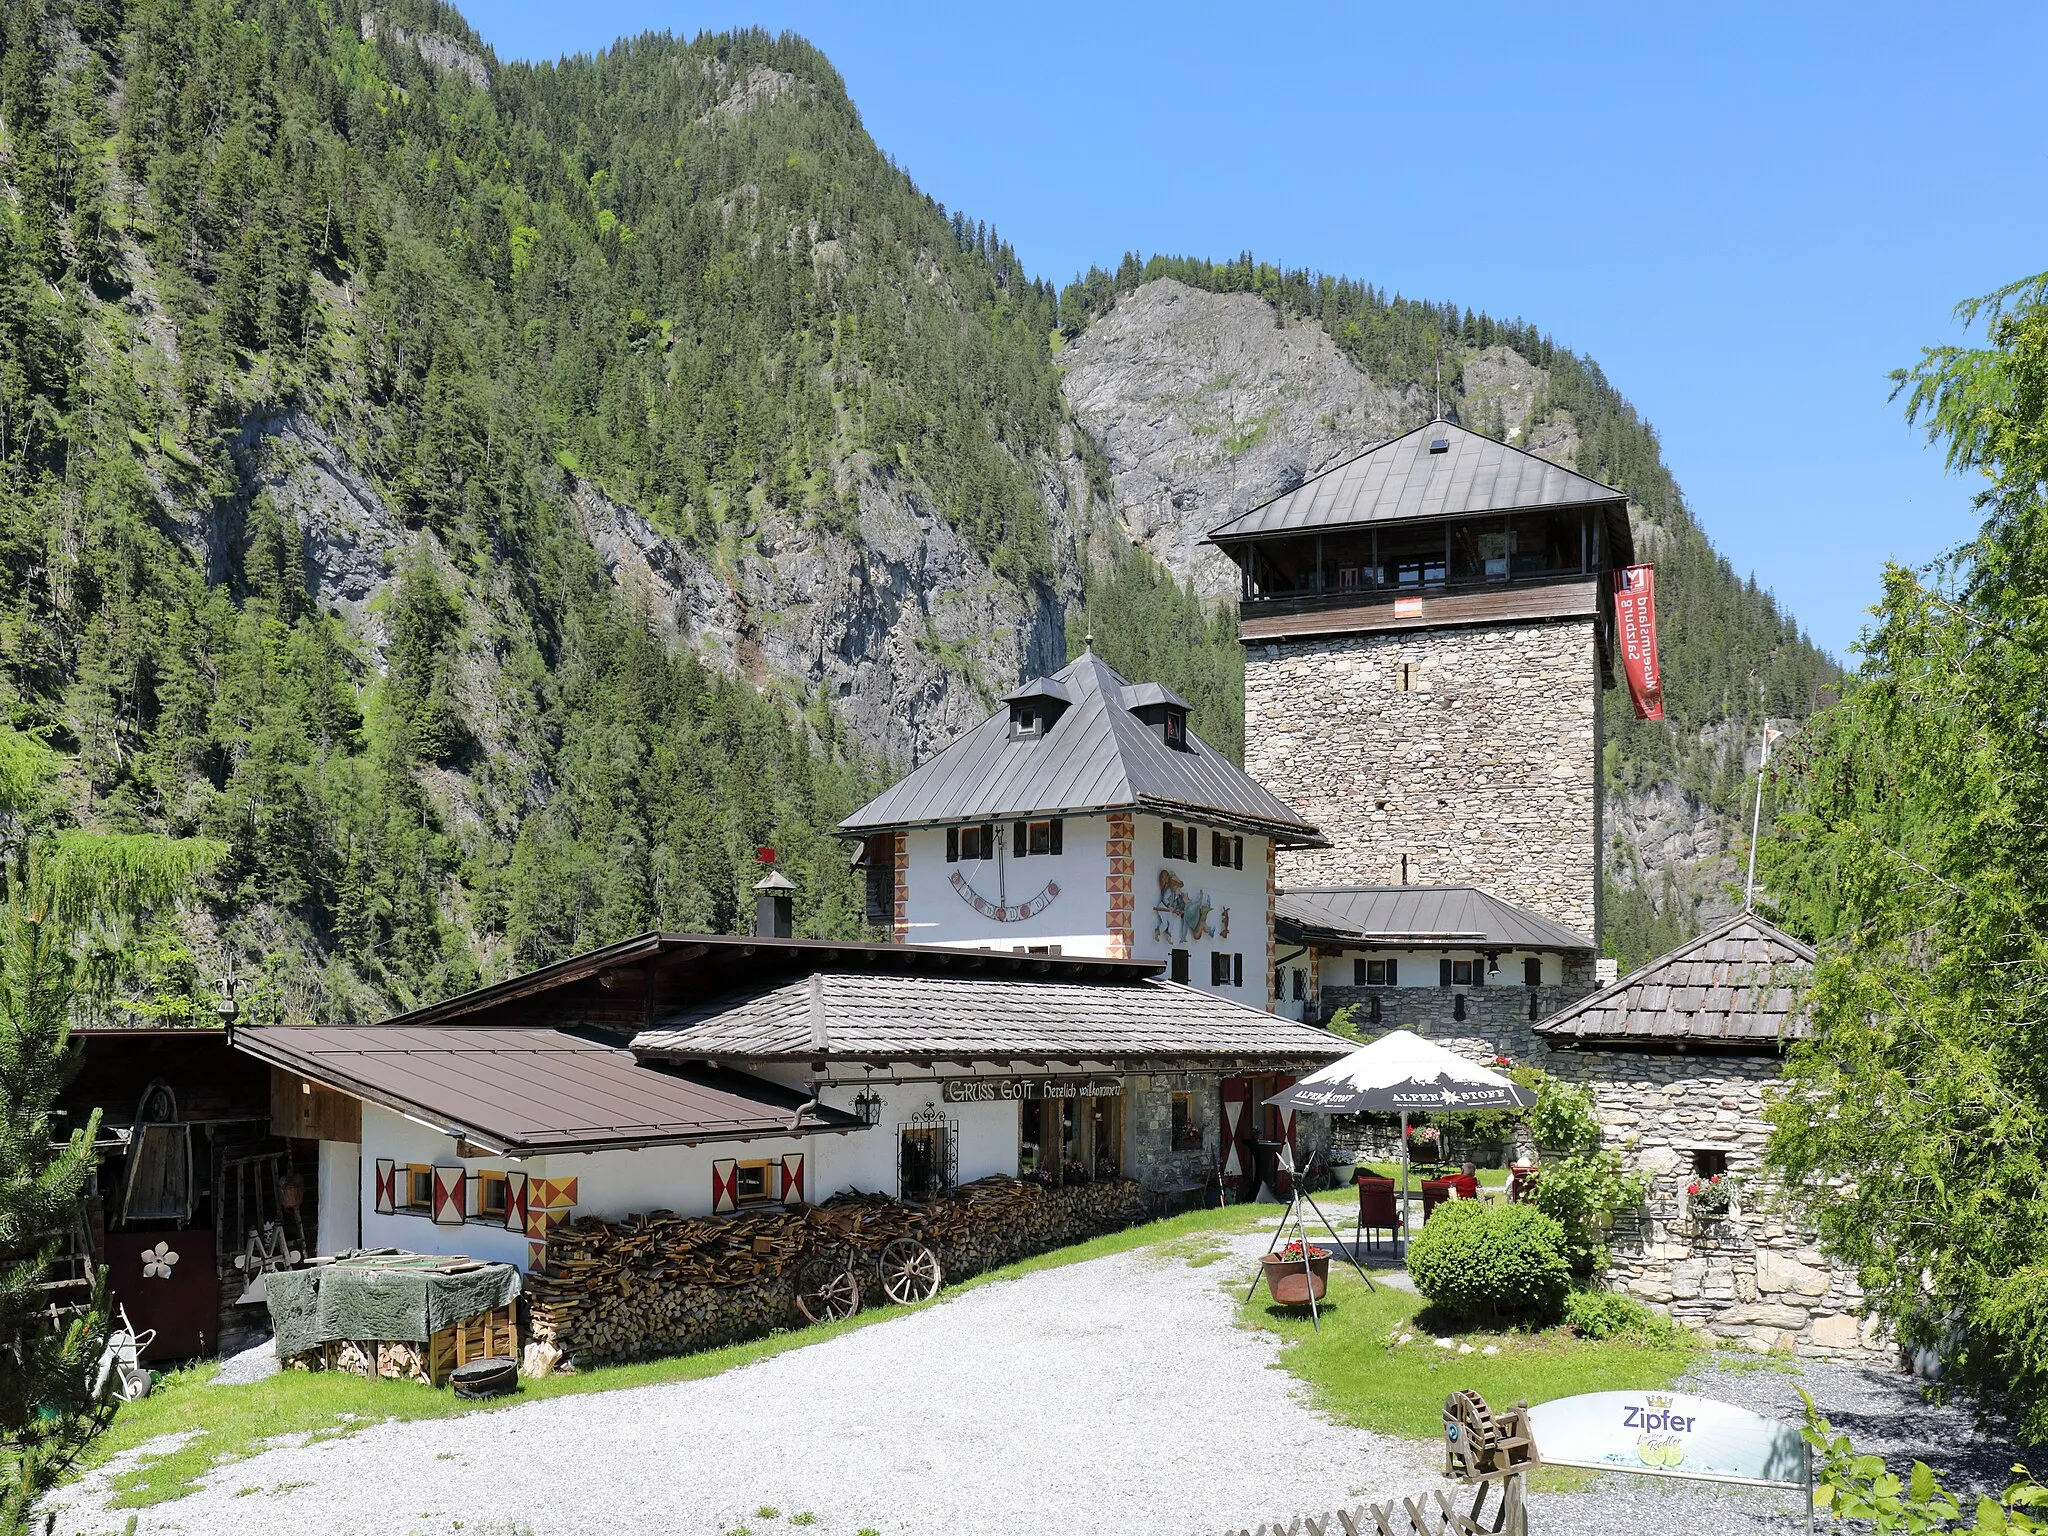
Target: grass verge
[[227, 1424], [1357, 1373]]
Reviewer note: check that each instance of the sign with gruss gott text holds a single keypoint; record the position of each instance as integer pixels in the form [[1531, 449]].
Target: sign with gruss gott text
[[997, 1090]]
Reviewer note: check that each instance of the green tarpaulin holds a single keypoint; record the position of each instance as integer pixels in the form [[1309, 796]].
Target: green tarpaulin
[[383, 1294]]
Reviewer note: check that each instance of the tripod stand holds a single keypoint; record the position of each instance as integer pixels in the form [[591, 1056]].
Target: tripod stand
[[1293, 1214]]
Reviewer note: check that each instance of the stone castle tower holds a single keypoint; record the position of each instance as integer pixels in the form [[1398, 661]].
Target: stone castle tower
[[1427, 630]]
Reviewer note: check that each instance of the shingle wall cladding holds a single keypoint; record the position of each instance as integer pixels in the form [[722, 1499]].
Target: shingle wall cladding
[[1485, 771], [1752, 1277]]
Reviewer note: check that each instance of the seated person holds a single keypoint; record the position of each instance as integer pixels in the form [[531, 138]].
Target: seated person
[[1466, 1182]]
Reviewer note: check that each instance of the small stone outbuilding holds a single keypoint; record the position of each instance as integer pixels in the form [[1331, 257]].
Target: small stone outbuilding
[[1678, 1056]]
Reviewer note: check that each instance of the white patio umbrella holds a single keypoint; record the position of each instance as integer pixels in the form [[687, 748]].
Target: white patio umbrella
[[1400, 1073]]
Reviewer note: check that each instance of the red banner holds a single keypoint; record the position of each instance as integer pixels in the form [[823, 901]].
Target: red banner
[[1635, 617]]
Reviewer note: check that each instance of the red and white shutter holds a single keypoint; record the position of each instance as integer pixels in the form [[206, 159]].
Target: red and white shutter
[[1237, 1098], [725, 1179], [451, 1185], [515, 1202], [1287, 1117], [793, 1176], [387, 1187]]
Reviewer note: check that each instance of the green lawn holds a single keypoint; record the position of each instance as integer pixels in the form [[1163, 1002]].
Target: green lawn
[[228, 1423], [1358, 1374]]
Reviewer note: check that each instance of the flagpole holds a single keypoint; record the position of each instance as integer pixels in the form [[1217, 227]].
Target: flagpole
[[1756, 820]]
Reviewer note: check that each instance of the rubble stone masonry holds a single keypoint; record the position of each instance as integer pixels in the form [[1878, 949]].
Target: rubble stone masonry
[[1475, 752], [1751, 1277]]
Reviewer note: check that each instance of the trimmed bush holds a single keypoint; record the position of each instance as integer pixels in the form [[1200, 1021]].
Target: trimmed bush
[[1603, 1314], [1483, 1261]]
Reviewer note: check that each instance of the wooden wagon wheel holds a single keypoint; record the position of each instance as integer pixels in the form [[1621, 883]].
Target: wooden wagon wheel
[[910, 1271], [826, 1290]]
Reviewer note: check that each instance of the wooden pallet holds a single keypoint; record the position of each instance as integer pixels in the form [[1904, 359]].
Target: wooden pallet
[[488, 1335]]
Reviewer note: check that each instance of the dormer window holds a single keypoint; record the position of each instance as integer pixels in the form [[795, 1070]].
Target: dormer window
[[1025, 721], [1036, 707], [1175, 725]]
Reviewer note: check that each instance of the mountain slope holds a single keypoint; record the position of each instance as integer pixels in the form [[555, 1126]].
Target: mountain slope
[[495, 499]]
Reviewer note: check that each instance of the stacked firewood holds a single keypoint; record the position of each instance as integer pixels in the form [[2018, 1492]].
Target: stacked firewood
[[664, 1284]]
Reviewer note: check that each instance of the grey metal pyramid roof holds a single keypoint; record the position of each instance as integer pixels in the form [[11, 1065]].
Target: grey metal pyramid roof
[[1421, 915], [1097, 756], [1734, 985], [1401, 480]]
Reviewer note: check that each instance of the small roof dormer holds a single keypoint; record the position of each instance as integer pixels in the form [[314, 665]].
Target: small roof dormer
[[1036, 707], [1164, 712]]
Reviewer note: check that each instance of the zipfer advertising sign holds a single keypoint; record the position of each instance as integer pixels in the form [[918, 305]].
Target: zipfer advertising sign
[[1669, 1434]]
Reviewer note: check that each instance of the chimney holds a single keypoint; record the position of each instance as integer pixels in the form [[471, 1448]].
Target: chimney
[[772, 906]]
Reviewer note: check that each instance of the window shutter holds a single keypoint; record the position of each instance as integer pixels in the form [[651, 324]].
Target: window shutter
[[387, 1187], [725, 1180], [1166, 831], [952, 845], [1180, 965], [515, 1202], [1358, 973], [988, 839], [1532, 972], [793, 1176], [1479, 972], [1017, 838], [1237, 970], [1194, 844], [1393, 972], [1237, 854], [1445, 979], [450, 1186], [1056, 834]]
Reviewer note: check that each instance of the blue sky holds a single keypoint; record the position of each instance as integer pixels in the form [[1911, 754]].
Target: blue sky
[[1749, 215]]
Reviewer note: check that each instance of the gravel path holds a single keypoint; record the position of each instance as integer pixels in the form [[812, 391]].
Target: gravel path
[[1117, 1391], [1119, 1387]]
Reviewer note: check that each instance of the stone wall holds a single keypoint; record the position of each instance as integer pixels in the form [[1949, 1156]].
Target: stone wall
[[1496, 1022], [1752, 1277], [1148, 1120], [1483, 771]]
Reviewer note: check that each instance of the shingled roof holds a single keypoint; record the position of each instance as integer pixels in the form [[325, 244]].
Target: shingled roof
[[1402, 480], [858, 1015], [1097, 756], [1735, 986], [1426, 916]]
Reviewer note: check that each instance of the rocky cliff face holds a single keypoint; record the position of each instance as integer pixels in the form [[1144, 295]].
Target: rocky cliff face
[[1206, 404]]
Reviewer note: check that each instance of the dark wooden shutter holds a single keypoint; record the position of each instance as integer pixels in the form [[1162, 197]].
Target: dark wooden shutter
[[1532, 972], [1237, 854], [1166, 831], [1017, 837], [988, 840], [1393, 972], [1479, 971], [1359, 972], [1445, 978], [952, 845], [1056, 840], [1180, 965], [1237, 970]]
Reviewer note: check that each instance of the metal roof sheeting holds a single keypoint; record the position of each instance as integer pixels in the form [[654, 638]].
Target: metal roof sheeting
[[534, 1090], [1401, 481], [927, 1018], [1097, 756], [1417, 914], [1736, 985]]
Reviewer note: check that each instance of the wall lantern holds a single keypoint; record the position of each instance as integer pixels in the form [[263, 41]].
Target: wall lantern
[[1493, 962], [868, 1105]]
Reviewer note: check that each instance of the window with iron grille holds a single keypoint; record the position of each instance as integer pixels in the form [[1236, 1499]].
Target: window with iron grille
[[1300, 985], [927, 1155]]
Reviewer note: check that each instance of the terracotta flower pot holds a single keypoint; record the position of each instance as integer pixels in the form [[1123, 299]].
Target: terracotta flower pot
[[1294, 1281]]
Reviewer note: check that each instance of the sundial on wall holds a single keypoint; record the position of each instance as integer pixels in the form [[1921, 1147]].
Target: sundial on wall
[[1001, 910]]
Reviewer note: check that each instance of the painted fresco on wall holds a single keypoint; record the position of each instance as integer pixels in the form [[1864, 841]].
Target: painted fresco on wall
[[1194, 913]]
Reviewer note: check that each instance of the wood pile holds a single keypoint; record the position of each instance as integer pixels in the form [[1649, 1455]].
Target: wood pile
[[660, 1283]]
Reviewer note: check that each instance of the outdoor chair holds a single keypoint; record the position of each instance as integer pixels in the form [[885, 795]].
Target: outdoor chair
[[1377, 1211], [1435, 1192]]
